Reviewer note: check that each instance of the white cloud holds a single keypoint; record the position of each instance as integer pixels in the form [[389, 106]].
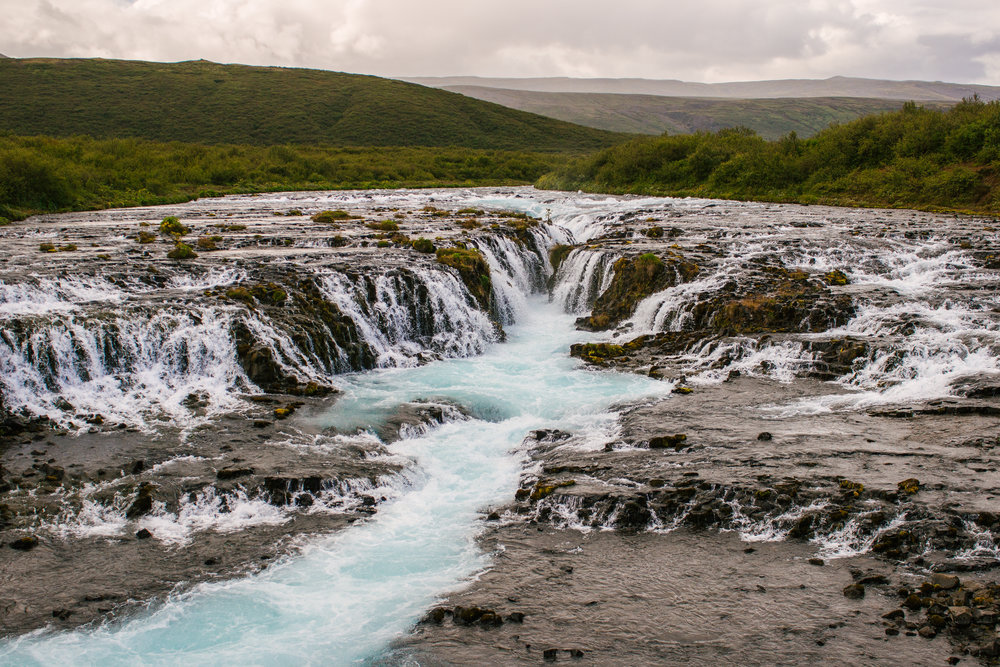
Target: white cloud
[[708, 40]]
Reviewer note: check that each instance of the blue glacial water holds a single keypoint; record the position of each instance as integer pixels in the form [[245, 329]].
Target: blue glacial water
[[346, 596]]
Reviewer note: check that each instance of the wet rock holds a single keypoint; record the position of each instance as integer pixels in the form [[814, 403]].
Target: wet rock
[[960, 616], [490, 619], [677, 441], [468, 615], [61, 614], [550, 654], [945, 582], [26, 543], [909, 486], [436, 615], [143, 534], [854, 591], [143, 503], [894, 615], [764, 436], [817, 561], [515, 617], [927, 632], [304, 500], [632, 517], [233, 473]]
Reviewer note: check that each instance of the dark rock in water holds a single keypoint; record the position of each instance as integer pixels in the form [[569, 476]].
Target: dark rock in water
[[304, 500], [632, 516], [764, 436], [469, 615], [927, 632], [678, 441], [854, 591], [26, 543], [233, 473], [143, 534], [803, 528], [522, 494], [550, 654], [142, 505], [817, 561], [515, 617], [913, 602], [960, 616], [894, 615], [490, 619], [493, 516], [137, 466], [61, 614], [575, 653], [436, 615], [261, 423], [909, 486]]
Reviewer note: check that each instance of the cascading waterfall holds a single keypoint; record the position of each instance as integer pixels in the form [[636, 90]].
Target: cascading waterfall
[[582, 277]]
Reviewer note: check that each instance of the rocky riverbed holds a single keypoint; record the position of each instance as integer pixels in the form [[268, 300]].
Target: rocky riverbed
[[818, 471]]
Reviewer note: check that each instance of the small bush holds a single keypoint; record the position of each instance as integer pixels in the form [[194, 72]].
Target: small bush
[[294, 212], [469, 223], [47, 247], [423, 245], [182, 251], [655, 232], [383, 244], [208, 242], [171, 225], [145, 237], [69, 247]]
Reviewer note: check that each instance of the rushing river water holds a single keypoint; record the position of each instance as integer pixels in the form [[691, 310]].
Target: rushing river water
[[346, 597], [819, 357]]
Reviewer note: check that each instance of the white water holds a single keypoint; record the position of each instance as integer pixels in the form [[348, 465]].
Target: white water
[[347, 596]]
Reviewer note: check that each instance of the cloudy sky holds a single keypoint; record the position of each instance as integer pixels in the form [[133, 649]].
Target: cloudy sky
[[703, 40]]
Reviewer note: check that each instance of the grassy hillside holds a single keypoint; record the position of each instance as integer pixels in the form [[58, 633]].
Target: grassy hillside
[[203, 102], [652, 114], [912, 158], [46, 174]]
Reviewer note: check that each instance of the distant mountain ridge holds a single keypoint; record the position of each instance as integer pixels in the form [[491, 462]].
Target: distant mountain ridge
[[209, 103], [838, 86], [655, 114]]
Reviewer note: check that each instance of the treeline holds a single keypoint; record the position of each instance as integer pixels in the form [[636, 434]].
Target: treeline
[[45, 174], [912, 158]]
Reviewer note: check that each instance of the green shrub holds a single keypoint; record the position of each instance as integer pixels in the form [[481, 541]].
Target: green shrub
[[182, 251], [384, 226], [172, 226], [423, 245], [145, 237]]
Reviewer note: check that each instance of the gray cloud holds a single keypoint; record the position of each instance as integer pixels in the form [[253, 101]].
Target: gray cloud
[[709, 40]]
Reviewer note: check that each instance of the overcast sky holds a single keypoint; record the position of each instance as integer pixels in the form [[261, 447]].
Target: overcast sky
[[703, 40]]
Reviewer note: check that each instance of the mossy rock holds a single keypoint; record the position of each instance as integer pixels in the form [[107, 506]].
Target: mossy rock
[[145, 237], [333, 216], [634, 279], [171, 225], [835, 277], [543, 489], [385, 226], [558, 253], [596, 353], [47, 247]]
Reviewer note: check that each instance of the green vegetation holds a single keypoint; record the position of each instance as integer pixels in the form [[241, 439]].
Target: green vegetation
[[384, 226], [182, 251], [171, 226], [423, 245], [333, 216], [207, 103], [913, 158], [46, 175], [473, 270]]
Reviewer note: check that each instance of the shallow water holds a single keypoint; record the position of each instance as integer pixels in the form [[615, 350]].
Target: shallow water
[[347, 596]]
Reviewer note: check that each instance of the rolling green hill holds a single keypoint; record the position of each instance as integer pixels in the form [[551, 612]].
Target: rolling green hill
[[203, 102], [654, 114]]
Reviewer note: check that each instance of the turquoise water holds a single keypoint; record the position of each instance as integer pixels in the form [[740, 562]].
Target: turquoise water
[[347, 596]]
